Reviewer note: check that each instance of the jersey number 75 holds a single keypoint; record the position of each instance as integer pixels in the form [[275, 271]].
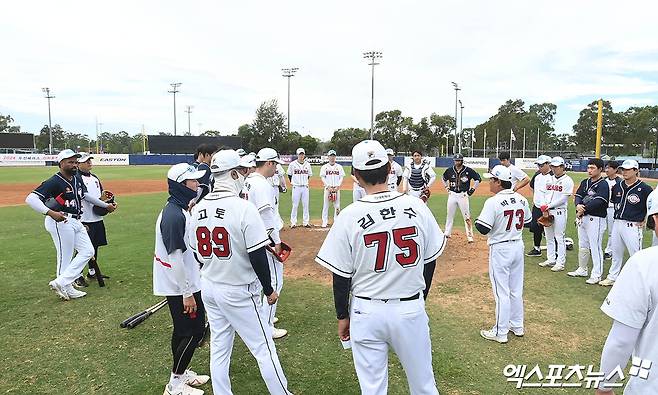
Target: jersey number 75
[[403, 238]]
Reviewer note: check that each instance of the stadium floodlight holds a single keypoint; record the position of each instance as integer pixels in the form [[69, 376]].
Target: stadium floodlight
[[50, 123], [457, 89], [372, 56], [175, 90], [461, 124], [288, 73], [188, 110]]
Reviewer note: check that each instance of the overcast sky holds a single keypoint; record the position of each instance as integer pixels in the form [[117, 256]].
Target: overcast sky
[[115, 60]]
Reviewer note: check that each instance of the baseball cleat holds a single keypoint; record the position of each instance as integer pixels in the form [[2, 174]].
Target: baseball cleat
[[74, 293], [533, 252], [470, 239], [491, 335], [308, 226], [275, 320], [518, 332], [59, 290], [607, 282], [546, 263], [80, 282], [447, 235], [293, 226], [557, 268], [607, 255], [578, 273], [191, 378], [593, 280], [182, 389], [278, 333]]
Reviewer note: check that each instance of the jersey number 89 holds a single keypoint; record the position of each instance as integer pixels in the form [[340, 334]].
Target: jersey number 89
[[213, 242], [403, 239]]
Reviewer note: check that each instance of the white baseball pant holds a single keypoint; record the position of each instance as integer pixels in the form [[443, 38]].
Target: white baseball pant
[[376, 326], [69, 236], [327, 203], [590, 235], [610, 221], [626, 234], [459, 200], [654, 239], [299, 193], [413, 192], [276, 278], [276, 193], [237, 308], [555, 238], [506, 275], [357, 193]]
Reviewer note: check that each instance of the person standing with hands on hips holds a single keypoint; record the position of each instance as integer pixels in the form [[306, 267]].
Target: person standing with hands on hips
[[538, 185], [457, 180], [60, 198], [332, 175], [299, 172], [383, 249], [395, 175], [176, 276], [612, 178]]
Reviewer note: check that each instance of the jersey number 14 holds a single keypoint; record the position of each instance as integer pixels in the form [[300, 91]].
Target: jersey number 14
[[403, 238]]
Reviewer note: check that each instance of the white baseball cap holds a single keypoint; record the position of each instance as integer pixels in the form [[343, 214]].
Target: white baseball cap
[[248, 160], [500, 172], [268, 154], [652, 204], [67, 153], [557, 161], [241, 152], [184, 171], [301, 151], [84, 156], [331, 152], [541, 159], [224, 160], [630, 164], [369, 155], [389, 151]]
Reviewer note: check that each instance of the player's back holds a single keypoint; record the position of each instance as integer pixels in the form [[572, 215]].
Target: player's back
[[505, 213], [224, 229], [383, 241]]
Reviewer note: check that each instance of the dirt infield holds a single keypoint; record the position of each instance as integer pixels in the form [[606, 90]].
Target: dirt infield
[[14, 194], [459, 259]]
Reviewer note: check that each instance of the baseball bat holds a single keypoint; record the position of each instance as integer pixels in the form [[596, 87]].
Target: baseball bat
[[141, 318], [132, 317], [99, 276]]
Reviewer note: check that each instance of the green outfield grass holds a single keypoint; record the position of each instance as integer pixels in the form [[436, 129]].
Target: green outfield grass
[[52, 347]]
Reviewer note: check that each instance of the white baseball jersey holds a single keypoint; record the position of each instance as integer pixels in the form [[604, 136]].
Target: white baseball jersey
[[94, 189], [517, 174], [259, 193], [539, 196], [504, 213], [332, 175], [224, 230], [300, 172], [396, 171], [632, 301], [558, 190], [276, 179], [382, 242]]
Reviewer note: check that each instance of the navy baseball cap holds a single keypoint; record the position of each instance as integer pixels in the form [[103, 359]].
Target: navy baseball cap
[[458, 157]]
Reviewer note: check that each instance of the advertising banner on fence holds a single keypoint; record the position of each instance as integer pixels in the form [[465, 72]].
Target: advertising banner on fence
[[22, 160], [477, 163], [525, 163], [110, 160]]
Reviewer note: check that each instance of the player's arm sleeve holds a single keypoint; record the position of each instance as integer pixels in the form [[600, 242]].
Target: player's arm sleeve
[[95, 201], [527, 214], [559, 199], [600, 200], [204, 182], [628, 300], [46, 189], [432, 176], [428, 274], [290, 171], [258, 260], [613, 194], [172, 229], [268, 216], [34, 201], [341, 176], [486, 218], [341, 288], [177, 262], [310, 170], [336, 251], [253, 229], [476, 177], [445, 176], [435, 240], [617, 350], [323, 177]]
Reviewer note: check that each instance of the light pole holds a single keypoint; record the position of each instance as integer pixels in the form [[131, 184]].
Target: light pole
[[457, 89], [189, 111], [461, 125], [288, 73], [372, 56], [174, 90], [50, 124], [100, 128], [655, 156]]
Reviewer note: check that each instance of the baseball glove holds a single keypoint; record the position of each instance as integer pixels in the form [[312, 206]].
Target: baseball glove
[[425, 195], [284, 254], [107, 197], [283, 189], [470, 191], [546, 220], [333, 195]]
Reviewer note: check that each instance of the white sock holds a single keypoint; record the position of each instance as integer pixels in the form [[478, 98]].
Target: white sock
[[538, 248], [175, 380]]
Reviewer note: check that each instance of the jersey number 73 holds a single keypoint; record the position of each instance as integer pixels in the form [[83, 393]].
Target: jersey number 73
[[510, 214], [403, 238]]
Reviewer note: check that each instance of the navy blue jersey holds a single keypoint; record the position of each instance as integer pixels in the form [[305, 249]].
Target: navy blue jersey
[[630, 200], [594, 196], [460, 180], [68, 193], [205, 182]]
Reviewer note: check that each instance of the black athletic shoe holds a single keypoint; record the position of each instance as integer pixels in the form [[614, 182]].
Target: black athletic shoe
[[607, 255], [81, 282], [533, 252]]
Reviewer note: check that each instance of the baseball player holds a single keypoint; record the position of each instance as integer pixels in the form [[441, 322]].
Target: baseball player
[[502, 219], [418, 176], [60, 198], [259, 192], [591, 208], [230, 238], [538, 185], [176, 276], [278, 182], [457, 180], [299, 172], [202, 162], [559, 188], [630, 200], [519, 178], [631, 305], [357, 190], [90, 216], [395, 176], [332, 175], [383, 250], [650, 222], [612, 178]]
